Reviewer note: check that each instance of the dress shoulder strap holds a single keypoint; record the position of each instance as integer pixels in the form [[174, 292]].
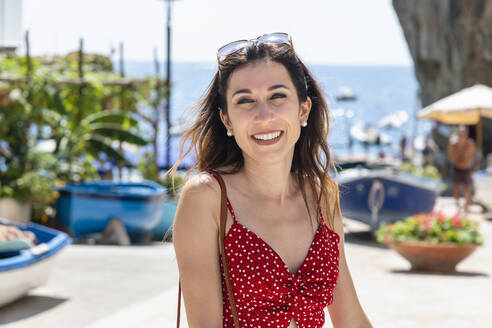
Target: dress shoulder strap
[[225, 261], [223, 188]]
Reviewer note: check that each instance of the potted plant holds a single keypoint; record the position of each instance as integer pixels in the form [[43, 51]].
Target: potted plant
[[48, 107], [16, 146], [427, 171], [433, 241]]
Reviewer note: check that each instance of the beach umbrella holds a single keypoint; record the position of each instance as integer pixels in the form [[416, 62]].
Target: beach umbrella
[[467, 106]]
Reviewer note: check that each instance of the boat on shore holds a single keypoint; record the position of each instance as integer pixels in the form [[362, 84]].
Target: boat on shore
[[366, 161], [386, 195], [23, 269], [87, 208], [163, 230]]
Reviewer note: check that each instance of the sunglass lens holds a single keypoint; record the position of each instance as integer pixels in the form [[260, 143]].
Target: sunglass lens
[[275, 38], [230, 48]]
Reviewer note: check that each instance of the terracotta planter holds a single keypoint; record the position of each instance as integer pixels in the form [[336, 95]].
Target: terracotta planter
[[13, 210], [430, 257]]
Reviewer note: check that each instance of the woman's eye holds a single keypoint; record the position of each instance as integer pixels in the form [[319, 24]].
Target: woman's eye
[[244, 101], [278, 95]]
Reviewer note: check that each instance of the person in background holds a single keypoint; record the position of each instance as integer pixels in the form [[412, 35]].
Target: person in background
[[461, 152], [403, 146], [429, 151]]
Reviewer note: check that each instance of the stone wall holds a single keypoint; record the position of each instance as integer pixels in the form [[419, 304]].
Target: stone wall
[[450, 42]]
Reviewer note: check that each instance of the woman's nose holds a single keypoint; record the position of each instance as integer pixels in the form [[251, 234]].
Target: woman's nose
[[264, 111]]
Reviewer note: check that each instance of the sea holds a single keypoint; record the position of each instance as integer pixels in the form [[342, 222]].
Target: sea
[[380, 91]]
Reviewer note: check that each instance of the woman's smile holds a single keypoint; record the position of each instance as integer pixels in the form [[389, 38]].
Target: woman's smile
[[264, 112], [268, 138]]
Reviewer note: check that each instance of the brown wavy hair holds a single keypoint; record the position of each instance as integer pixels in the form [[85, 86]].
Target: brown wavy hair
[[214, 150]]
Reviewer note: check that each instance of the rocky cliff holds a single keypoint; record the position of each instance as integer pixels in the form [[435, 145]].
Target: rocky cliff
[[450, 42]]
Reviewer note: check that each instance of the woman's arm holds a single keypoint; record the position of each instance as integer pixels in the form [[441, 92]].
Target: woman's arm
[[345, 311], [195, 239]]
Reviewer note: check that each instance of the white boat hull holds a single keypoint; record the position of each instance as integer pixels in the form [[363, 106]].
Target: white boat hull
[[24, 269], [16, 283]]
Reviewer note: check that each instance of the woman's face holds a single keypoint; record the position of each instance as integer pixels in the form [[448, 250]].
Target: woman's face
[[264, 113]]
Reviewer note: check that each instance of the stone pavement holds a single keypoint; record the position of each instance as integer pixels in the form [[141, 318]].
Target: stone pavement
[[136, 286]]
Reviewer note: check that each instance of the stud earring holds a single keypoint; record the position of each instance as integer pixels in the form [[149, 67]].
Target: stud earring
[[229, 133], [304, 124]]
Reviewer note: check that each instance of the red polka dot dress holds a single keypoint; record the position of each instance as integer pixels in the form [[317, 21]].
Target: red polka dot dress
[[266, 293]]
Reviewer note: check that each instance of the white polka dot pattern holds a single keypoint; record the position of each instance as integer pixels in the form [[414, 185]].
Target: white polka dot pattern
[[266, 293]]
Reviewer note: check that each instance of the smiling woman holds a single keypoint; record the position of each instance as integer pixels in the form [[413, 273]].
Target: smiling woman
[[266, 113], [260, 142]]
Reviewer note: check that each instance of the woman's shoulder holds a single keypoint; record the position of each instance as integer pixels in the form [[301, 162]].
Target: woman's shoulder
[[205, 182], [199, 198], [201, 187]]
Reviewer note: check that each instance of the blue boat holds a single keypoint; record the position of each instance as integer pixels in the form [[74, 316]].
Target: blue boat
[[163, 229], [22, 269], [387, 195], [87, 208]]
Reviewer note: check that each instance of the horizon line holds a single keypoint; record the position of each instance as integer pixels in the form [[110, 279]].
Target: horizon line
[[306, 62]]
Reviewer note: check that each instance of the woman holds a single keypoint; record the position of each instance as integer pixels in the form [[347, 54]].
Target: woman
[[262, 127]]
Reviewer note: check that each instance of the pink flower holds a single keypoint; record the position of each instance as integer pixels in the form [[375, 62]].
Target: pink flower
[[456, 215], [457, 222], [387, 241], [427, 226]]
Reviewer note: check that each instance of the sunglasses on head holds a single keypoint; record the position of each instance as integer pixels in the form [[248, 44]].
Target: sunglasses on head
[[270, 38]]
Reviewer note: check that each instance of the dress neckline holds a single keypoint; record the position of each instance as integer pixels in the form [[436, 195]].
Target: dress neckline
[[267, 245]]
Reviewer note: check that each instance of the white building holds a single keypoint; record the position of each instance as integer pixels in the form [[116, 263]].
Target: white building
[[10, 24]]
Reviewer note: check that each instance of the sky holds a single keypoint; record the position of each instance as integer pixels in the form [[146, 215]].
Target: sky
[[350, 32]]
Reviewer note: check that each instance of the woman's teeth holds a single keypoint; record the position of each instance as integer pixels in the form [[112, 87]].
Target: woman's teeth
[[267, 136]]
